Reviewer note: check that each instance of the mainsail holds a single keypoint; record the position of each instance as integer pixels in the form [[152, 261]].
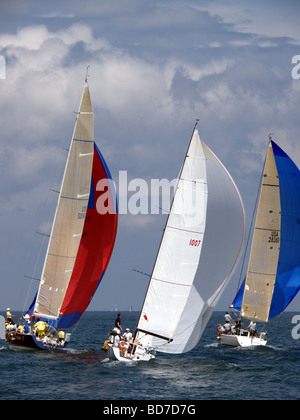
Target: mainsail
[[273, 276], [83, 235], [199, 251]]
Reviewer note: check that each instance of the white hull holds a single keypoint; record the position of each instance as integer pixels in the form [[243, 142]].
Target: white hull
[[243, 340], [140, 354]]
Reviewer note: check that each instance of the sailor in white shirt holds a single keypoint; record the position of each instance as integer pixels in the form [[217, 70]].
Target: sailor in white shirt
[[117, 340], [227, 327], [252, 328], [127, 336], [228, 318]]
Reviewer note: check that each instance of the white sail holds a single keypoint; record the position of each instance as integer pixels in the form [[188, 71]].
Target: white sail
[[67, 227], [200, 248]]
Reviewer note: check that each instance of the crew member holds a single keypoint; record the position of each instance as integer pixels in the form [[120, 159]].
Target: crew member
[[61, 336], [118, 323], [9, 316]]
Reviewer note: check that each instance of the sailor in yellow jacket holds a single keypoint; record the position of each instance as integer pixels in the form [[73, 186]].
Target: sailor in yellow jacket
[[9, 316], [61, 336], [40, 328], [20, 329]]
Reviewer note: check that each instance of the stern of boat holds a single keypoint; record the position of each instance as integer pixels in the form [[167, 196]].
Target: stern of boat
[[132, 354], [244, 340], [29, 342]]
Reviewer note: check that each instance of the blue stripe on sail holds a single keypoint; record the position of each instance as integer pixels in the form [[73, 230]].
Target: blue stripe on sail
[[111, 184], [238, 300], [106, 170], [31, 307], [287, 283], [66, 321], [102, 275], [91, 203]]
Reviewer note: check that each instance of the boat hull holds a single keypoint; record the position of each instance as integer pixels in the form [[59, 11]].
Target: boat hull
[[140, 354], [243, 340], [29, 342]]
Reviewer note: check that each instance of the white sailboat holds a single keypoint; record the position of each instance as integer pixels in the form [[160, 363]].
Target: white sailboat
[[273, 275], [81, 241], [199, 251]]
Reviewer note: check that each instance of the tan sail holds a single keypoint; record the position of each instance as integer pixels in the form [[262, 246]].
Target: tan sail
[[263, 263], [70, 214]]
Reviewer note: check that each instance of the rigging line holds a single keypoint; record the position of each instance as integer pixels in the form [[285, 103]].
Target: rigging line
[[140, 272], [263, 327], [136, 342], [43, 234], [162, 345], [279, 317], [75, 326], [38, 258], [160, 208], [128, 317], [33, 276]]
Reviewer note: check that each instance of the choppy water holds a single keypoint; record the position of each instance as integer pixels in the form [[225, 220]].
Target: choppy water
[[210, 371]]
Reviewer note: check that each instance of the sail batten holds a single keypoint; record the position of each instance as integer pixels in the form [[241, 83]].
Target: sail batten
[[83, 141]]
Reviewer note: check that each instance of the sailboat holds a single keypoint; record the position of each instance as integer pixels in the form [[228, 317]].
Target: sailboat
[[81, 241], [273, 275], [199, 251]]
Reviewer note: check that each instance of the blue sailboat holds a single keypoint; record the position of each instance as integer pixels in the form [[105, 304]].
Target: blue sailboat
[[273, 275]]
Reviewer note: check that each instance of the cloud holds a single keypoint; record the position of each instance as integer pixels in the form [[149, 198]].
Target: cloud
[[33, 37], [215, 84], [55, 15], [268, 20]]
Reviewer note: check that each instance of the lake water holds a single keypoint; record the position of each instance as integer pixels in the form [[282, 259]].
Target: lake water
[[210, 371]]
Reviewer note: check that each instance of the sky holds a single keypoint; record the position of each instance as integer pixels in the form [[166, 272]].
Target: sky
[[155, 67]]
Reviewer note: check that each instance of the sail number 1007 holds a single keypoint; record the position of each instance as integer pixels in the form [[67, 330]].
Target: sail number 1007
[[194, 242]]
